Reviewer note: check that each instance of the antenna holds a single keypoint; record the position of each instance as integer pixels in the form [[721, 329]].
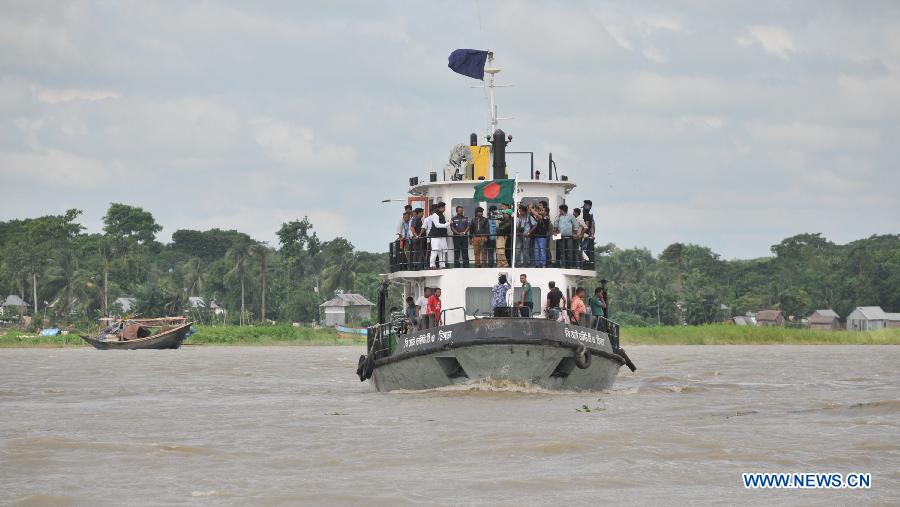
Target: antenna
[[492, 71]]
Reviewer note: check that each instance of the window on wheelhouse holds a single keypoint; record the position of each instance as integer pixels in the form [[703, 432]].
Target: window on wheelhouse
[[468, 205], [478, 299]]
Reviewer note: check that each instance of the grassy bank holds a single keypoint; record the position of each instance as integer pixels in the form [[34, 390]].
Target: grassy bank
[[664, 335], [207, 335], [720, 334]]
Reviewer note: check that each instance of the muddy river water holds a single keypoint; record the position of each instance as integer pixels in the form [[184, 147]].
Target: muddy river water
[[293, 425]]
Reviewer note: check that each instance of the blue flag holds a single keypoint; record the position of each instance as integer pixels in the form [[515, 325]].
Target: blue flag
[[468, 62]]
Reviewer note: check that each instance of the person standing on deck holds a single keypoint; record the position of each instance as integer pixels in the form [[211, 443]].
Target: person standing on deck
[[587, 240], [422, 306], [578, 308], [498, 293], [597, 304], [417, 232], [565, 226], [491, 242], [526, 304], [412, 314], [577, 237], [479, 238], [554, 299], [524, 223], [437, 230], [504, 229], [540, 235], [434, 308], [459, 226]]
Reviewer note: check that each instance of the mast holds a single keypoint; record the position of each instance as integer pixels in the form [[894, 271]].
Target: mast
[[492, 71]]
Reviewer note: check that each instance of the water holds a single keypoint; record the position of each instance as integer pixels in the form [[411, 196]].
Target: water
[[293, 425]]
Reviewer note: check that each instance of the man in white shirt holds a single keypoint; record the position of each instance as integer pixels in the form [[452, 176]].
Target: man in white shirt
[[422, 305], [436, 229]]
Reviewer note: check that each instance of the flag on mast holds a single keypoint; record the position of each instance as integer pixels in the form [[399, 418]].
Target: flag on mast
[[468, 62], [496, 191]]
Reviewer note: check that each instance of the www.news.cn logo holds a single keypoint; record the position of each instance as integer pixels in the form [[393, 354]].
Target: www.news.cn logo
[[806, 481]]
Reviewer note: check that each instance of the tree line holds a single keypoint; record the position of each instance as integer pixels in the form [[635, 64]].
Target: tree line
[[691, 284], [68, 275]]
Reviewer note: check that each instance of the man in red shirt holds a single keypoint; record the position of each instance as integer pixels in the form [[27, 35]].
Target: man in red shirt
[[434, 308]]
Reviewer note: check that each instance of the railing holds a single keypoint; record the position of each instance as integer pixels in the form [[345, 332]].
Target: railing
[[491, 251]]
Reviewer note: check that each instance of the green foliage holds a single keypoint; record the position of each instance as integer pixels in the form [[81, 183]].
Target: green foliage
[[130, 222], [78, 276], [688, 284], [725, 334]]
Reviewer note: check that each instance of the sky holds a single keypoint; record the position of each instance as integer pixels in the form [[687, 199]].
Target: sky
[[727, 124]]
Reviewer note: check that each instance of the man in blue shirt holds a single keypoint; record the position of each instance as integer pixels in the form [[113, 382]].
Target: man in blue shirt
[[565, 226], [459, 226]]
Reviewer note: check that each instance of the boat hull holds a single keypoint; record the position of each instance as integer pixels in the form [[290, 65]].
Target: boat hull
[[540, 352], [170, 339]]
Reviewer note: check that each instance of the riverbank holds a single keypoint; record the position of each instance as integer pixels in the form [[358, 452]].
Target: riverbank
[[207, 335], [724, 334], [716, 334]]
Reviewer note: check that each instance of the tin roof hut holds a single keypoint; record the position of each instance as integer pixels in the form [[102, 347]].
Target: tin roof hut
[[867, 318], [824, 320], [769, 318], [346, 309]]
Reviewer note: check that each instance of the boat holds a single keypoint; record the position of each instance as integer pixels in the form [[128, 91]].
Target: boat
[[133, 334], [351, 332], [471, 341]]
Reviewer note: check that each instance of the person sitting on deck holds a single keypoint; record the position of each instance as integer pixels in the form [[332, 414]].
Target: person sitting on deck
[[498, 293], [434, 308], [578, 308]]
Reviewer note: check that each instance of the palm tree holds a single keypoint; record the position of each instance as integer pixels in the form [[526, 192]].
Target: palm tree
[[237, 256], [261, 251], [339, 273]]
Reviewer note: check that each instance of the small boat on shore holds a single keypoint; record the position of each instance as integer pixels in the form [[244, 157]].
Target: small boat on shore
[[133, 334]]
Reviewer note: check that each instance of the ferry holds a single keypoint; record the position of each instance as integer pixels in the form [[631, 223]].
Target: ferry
[[472, 339]]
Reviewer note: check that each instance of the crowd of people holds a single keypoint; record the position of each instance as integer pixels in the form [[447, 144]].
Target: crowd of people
[[432, 242], [425, 312]]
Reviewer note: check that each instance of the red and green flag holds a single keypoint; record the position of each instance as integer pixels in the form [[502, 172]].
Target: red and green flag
[[495, 191]]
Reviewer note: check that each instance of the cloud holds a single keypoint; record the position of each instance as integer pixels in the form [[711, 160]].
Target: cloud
[[720, 124], [772, 39], [296, 146]]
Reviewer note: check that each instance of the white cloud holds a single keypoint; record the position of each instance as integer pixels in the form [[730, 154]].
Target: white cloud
[[773, 39], [296, 146]]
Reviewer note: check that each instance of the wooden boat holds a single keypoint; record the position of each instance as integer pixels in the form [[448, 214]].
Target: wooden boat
[[132, 334]]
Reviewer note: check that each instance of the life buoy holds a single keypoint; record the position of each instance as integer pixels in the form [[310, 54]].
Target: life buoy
[[365, 367], [582, 357]]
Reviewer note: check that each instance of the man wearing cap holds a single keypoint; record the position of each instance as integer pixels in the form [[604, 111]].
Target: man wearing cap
[[437, 231]]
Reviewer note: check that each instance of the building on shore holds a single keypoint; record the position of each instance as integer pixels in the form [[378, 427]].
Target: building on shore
[[769, 318], [13, 306], [346, 309], [867, 318], [825, 320], [893, 320]]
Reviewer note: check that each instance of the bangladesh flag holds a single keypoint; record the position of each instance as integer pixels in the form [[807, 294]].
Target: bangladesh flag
[[495, 191]]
